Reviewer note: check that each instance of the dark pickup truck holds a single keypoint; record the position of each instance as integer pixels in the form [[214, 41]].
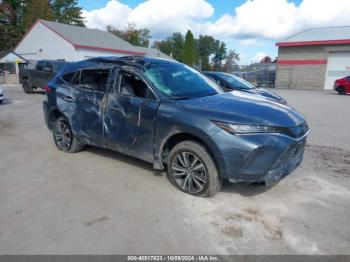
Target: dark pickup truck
[[37, 77]]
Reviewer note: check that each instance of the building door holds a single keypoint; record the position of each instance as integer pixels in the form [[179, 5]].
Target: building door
[[338, 67]]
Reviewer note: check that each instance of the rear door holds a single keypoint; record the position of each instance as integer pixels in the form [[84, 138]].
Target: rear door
[[130, 116], [88, 96]]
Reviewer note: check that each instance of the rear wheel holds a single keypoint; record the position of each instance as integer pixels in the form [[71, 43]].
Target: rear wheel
[[64, 137], [192, 170], [341, 90], [27, 88]]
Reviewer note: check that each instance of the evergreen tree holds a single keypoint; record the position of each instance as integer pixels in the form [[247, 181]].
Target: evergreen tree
[[220, 54], [172, 45], [11, 22], [67, 12], [188, 55], [205, 47], [37, 9]]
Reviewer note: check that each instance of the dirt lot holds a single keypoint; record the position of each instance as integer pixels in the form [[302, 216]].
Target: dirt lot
[[100, 202]]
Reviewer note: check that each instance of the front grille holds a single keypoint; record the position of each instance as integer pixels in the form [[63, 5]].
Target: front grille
[[290, 153]]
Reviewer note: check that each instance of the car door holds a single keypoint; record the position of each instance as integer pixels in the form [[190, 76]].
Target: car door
[[130, 116], [88, 112], [38, 74]]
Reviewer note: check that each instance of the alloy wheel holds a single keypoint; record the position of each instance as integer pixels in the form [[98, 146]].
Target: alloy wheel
[[189, 172], [63, 135]]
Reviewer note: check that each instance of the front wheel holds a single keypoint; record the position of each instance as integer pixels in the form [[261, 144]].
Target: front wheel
[[192, 170], [64, 137], [27, 88], [341, 91]]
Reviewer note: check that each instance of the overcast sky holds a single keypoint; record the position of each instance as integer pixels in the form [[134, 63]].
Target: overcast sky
[[251, 27]]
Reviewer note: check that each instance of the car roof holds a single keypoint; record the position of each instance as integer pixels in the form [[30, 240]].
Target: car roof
[[135, 62]]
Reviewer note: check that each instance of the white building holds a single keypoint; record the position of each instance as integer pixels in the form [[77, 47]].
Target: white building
[[10, 64], [52, 41]]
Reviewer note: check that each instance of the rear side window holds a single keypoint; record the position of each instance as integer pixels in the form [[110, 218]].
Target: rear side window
[[93, 79]]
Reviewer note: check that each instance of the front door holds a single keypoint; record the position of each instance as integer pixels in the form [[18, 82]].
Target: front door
[[130, 117]]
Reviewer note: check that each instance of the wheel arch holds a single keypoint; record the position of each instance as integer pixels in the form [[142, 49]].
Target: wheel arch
[[53, 116], [172, 140]]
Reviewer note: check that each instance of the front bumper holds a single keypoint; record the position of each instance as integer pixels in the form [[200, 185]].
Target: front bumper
[[258, 157]]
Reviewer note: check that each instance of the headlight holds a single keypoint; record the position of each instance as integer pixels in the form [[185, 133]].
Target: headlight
[[247, 129]]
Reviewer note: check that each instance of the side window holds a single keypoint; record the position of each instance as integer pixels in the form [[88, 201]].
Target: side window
[[93, 79], [40, 66], [132, 85], [48, 66], [68, 77]]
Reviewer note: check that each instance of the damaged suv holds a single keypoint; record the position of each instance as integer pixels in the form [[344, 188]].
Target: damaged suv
[[172, 116]]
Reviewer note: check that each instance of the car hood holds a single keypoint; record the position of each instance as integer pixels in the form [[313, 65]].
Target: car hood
[[265, 93], [244, 108]]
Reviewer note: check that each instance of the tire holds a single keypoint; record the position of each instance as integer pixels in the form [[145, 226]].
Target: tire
[[64, 137], [200, 177], [27, 88], [341, 91]]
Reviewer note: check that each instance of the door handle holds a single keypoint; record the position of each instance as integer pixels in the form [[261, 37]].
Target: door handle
[[69, 99]]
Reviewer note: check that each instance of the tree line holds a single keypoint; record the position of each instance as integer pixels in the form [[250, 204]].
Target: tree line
[[17, 16], [185, 48], [205, 52], [198, 51]]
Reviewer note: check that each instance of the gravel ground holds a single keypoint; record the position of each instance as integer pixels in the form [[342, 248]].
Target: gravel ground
[[100, 202]]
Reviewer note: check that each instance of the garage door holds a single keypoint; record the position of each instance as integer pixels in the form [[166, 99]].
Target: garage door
[[338, 67]]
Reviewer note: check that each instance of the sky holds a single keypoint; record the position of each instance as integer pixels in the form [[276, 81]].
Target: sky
[[250, 27]]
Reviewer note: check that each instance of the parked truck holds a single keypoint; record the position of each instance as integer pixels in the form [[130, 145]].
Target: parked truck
[[37, 77]]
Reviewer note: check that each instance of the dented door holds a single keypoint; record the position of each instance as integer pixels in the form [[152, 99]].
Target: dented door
[[130, 121], [87, 120], [130, 125]]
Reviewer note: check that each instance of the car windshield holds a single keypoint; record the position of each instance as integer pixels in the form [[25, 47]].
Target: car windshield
[[236, 82], [179, 81]]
